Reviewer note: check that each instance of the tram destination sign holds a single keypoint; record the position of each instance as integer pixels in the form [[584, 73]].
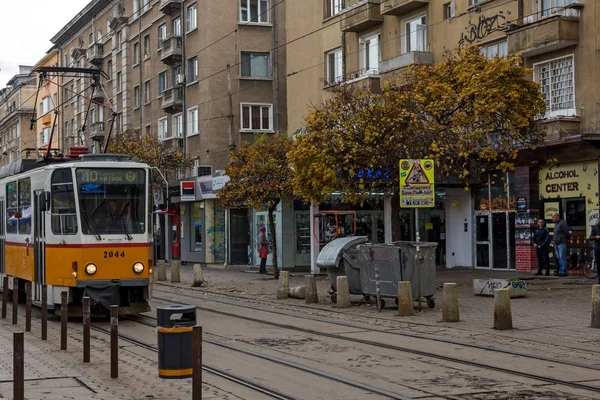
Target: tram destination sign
[[417, 183], [110, 176]]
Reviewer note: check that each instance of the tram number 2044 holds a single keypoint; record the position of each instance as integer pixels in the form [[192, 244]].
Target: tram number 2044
[[114, 254]]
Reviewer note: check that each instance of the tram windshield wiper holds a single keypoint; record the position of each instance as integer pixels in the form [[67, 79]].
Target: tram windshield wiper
[[90, 223], [124, 227]]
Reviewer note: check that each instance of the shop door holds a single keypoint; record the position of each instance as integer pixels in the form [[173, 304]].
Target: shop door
[[482, 241], [499, 241], [239, 231]]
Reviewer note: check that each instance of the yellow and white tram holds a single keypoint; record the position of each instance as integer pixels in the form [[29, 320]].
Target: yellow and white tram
[[81, 227]]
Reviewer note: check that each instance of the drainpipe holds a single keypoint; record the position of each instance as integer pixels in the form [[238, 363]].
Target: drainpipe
[[520, 11], [276, 66], [183, 86], [343, 56]]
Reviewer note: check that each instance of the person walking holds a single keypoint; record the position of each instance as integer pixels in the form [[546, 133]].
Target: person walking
[[561, 237], [263, 250], [157, 244], [541, 243], [595, 238]]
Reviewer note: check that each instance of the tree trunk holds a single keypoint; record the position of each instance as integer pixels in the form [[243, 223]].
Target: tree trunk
[[272, 208]]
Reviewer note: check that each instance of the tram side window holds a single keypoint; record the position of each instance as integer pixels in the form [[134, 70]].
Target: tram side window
[[63, 211], [12, 206]]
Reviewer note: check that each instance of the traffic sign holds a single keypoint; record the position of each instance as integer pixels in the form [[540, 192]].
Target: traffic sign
[[417, 183]]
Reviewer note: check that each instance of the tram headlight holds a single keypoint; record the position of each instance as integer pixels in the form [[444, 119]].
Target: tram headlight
[[91, 269], [138, 267]]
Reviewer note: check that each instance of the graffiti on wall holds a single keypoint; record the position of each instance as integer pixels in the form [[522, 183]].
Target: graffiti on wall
[[216, 229], [484, 27]]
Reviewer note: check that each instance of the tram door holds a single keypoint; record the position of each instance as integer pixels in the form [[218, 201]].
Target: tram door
[[2, 235], [39, 254]]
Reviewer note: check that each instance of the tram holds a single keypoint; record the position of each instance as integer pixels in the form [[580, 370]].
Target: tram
[[80, 225]]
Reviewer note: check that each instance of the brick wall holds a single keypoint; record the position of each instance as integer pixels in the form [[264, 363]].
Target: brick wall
[[526, 259]]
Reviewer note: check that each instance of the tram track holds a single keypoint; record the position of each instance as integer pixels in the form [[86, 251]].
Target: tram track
[[446, 358], [381, 330]]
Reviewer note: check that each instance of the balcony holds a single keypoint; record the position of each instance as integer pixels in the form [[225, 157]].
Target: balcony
[[541, 34], [170, 6], [405, 60], [171, 50], [46, 119], [95, 54], [367, 81], [172, 100], [363, 15], [400, 7], [98, 97], [97, 131]]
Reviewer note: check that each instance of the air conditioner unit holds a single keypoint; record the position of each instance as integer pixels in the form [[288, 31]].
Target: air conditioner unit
[[203, 170], [180, 79]]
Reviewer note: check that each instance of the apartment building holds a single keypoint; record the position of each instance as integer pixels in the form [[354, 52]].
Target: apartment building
[[368, 42], [17, 106], [202, 75], [47, 117]]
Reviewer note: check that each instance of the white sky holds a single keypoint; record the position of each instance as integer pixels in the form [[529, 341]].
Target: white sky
[[26, 29]]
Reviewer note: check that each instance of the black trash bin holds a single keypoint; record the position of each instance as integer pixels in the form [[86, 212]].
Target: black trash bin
[[174, 327]]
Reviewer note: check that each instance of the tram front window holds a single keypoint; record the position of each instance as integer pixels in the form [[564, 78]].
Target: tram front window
[[111, 201]]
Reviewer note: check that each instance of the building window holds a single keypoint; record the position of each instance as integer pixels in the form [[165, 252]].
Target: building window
[[119, 82], [549, 7], [136, 96], [109, 65], [256, 11], [91, 38], [257, 117], [334, 7], [178, 125], [162, 83], [119, 40], [177, 27], [163, 128], [146, 46], [176, 71], [449, 10], [192, 121], [99, 36], [192, 21], [370, 54], [45, 136], [136, 9], [557, 82], [495, 50], [162, 33], [334, 66], [45, 105], [192, 70], [256, 65], [416, 35], [136, 53], [145, 5], [147, 89]]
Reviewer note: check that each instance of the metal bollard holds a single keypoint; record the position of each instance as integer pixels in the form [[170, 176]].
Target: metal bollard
[[114, 341], [27, 306], [4, 295], [63, 320], [44, 312], [197, 366], [18, 366], [15, 300], [86, 329]]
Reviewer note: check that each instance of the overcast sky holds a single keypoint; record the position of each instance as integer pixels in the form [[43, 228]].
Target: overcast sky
[[26, 29]]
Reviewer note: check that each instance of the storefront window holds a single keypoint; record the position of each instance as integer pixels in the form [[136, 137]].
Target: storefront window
[[575, 213], [196, 237], [302, 232]]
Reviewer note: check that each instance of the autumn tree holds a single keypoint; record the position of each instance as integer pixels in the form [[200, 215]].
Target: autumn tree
[[260, 177], [469, 113], [150, 150]]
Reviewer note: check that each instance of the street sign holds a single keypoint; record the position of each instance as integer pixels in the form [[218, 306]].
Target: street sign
[[417, 183]]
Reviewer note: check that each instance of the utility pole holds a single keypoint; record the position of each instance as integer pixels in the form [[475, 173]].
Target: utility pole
[[231, 122]]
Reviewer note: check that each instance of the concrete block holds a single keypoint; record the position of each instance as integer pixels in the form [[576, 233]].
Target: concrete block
[[284, 285], [297, 292], [486, 287], [175, 277], [450, 303], [198, 276], [502, 311], [596, 306], [162, 271], [343, 292], [310, 294], [405, 299]]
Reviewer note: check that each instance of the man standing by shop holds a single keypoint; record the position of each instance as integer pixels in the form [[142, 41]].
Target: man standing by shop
[[595, 238], [561, 236], [541, 242]]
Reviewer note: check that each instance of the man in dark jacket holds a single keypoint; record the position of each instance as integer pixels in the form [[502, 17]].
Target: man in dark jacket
[[541, 242], [561, 237], [595, 238]]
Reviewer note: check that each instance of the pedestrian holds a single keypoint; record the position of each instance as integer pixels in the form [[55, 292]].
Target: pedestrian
[[157, 240], [561, 237], [541, 243], [595, 238], [263, 250]]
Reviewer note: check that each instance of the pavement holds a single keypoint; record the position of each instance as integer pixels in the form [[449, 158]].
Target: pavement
[[554, 320]]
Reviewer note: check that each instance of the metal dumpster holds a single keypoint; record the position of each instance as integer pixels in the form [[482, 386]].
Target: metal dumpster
[[340, 257], [397, 262]]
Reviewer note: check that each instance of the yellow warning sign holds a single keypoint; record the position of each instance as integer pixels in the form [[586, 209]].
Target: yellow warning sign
[[417, 183]]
